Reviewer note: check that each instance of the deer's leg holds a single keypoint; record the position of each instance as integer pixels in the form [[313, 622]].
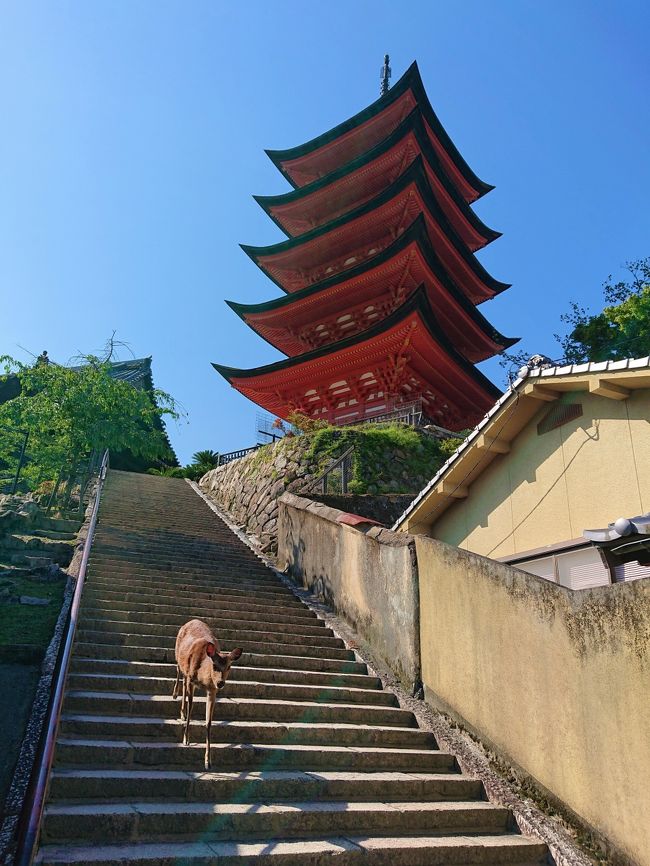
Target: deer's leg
[[209, 710], [183, 698], [188, 717], [178, 677]]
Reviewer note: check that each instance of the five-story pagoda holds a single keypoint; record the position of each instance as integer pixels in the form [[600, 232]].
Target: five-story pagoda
[[380, 278]]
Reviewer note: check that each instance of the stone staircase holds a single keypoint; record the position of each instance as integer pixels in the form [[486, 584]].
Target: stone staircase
[[48, 540], [312, 761]]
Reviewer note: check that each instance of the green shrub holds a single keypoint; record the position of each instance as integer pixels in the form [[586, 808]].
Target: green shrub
[[419, 454]]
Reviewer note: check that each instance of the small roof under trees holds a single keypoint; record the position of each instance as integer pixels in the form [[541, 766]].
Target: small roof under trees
[[136, 372]]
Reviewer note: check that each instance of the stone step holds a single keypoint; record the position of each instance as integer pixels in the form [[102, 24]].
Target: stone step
[[151, 564], [176, 612], [98, 590], [236, 709], [102, 617], [58, 524], [349, 850], [81, 784], [228, 639], [165, 655], [32, 542], [235, 688], [213, 588], [226, 630], [24, 560], [238, 672], [196, 549], [54, 534], [162, 545], [14, 569], [88, 752], [187, 570], [118, 822], [170, 520], [266, 732]]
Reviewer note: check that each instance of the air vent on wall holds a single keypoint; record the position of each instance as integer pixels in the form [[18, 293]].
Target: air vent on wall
[[558, 415]]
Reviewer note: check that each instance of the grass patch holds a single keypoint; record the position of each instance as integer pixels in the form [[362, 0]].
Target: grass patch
[[23, 623], [382, 453]]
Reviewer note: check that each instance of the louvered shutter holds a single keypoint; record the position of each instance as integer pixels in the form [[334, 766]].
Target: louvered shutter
[[581, 569], [631, 571], [544, 567]]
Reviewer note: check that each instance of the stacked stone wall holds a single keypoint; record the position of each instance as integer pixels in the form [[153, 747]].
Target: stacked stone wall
[[248, 489]]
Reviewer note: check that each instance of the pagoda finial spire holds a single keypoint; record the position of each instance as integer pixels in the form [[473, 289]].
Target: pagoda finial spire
[[385, 74]]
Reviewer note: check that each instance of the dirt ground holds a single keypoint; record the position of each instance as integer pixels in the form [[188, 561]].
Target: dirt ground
[[17, 687]]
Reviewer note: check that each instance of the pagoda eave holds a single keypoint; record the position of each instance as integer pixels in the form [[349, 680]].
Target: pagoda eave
[[479, 342], [327, 196], [409, 91], [294, 263], [415, 234], [339, 307], [407, 350]]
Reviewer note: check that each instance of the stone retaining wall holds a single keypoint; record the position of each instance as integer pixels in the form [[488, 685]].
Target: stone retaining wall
[[249, 488]]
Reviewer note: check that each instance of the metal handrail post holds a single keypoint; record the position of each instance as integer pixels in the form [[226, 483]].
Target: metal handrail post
[[20, 462], [27, 850]]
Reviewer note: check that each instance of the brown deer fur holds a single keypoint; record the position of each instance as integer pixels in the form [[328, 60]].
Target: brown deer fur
[[199, 662]]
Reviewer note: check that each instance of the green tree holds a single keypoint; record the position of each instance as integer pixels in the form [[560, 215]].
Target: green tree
[[202, 462], [71, 412], [621, 330], [168, 472], [206, 458]]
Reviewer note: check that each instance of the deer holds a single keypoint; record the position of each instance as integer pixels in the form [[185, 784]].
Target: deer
[[200, 662]]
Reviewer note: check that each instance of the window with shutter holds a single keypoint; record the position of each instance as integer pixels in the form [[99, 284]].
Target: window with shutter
[[581, 569], [543, 567], [631, 571]]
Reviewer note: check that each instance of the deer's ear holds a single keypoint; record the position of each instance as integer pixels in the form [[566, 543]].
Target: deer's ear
[[235, 654], [210, 649]]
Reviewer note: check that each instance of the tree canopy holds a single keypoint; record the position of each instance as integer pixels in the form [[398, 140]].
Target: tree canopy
[[70, 412], [621, 330]]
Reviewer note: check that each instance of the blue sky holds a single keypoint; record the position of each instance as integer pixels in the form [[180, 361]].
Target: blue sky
[[133, 138]]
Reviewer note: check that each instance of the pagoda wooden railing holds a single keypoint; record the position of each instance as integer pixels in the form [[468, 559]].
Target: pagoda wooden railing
[[405, 413]]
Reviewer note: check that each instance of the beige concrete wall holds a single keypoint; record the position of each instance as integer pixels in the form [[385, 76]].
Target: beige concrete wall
[[550, 488], [558, 681], [369, 578]]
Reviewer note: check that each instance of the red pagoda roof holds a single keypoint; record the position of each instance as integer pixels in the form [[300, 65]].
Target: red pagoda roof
[[357, 182], [341, 144], [336, 246], [338, 308], [406, 355]]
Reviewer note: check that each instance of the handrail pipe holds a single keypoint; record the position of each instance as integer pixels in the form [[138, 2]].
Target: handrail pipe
[[27, 849]]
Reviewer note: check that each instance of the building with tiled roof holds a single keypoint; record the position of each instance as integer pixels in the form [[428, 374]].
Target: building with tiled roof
[[565, 450]]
